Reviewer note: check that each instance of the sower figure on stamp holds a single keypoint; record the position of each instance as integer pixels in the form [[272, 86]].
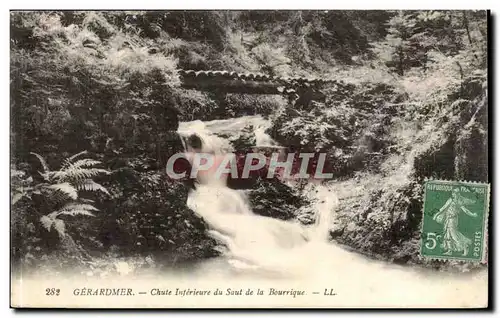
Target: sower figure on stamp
[[453, 240]]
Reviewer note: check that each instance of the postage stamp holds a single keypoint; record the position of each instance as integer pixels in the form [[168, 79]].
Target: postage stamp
[[455, 220]]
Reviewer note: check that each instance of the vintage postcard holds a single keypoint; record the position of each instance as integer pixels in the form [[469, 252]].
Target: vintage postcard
[[249, 159]]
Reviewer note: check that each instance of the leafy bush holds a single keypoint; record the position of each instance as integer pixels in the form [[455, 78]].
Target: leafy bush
[[149, 216], [350, 126], [95, 88]]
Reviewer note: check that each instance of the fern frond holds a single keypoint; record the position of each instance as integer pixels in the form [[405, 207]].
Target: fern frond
[[60, 227], [18, 193], [75, 174], [91, 185], [57, 197], [47, 222], [85, 163], [69, 161], [66, 188], [50, 221], [16, 197], [78, 206], [42, 162], [40, 186], [76, 212], [77, 155], [73, 209], [66, 163], [45, 175]]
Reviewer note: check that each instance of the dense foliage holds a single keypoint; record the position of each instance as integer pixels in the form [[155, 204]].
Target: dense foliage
[[413, 104]]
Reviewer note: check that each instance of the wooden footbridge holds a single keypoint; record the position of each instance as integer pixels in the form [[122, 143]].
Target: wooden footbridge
[[300, 90]]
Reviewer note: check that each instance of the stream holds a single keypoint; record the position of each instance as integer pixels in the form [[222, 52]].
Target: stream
[[265, 262], [258, 247]]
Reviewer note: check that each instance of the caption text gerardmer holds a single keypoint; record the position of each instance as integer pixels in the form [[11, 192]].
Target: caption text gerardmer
[[182, 292]]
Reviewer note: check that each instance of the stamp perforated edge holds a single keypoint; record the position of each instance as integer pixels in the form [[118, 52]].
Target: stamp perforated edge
[[484, 258]]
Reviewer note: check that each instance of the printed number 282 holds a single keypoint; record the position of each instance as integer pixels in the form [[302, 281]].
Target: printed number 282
[[52, 291], [431, 240]]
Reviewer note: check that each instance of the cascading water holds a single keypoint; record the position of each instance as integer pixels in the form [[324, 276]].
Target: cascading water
[[256, 246], [252, 241]]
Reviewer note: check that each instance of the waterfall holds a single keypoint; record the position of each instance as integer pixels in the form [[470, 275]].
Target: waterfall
[[249, 240], [256, 248]]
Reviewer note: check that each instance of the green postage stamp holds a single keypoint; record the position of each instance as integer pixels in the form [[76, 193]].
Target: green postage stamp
[[455, 220]]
